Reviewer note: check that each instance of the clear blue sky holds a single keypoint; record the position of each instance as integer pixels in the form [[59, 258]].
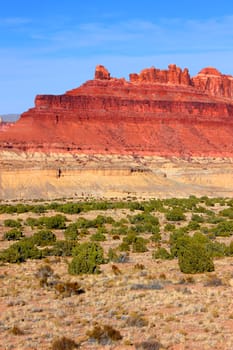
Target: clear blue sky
[[50, 46]]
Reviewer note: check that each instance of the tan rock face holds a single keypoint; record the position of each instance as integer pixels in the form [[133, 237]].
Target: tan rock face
[[156, 112]]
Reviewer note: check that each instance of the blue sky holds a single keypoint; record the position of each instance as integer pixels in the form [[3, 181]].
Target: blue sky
[[50, 46]]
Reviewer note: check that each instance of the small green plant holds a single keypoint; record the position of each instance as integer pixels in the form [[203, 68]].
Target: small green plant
[[169, 227], [71, 232], [12, 223], [98, 236], [223, 229], [43, 238], [13, 235], [175, 214], [124, 247], [139, 245], [61, 248], [162, 253]]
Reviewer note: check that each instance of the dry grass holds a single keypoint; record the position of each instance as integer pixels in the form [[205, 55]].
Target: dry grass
[[187, 312]]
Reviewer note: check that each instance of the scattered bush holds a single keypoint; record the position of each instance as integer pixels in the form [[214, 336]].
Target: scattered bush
[[193, 257], [71, 232], [104, 335], [136, 320], [169, 227], [175, 214], [223, 229], [43, 238], [64, 343], [44, 272], [162, 253], [124, 247], [21, 251], [61, 248], [13, 235], [148, 345], [98, 236], [139, 245], [67, 289], [53, 222], [15, 330], [86, 259], [213, 281], [12, 223]]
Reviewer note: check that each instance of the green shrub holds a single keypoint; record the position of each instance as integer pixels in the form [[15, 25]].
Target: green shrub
[[12, 223], [139, 245], [169, 227], [144, 218], [61, 248], [124, 247], [53, 222], [195, 258], [70, 208], [223, 229], [43, 238], [71, 232], [112, 255], [130, 238], [20, 252], [32, 222], [98, 236], [175, 214], [217, 249], [193, 225], [177, 240], [227, 212], [156, 237], [162, 253], [13, 235], [86, 259], [197, 218]]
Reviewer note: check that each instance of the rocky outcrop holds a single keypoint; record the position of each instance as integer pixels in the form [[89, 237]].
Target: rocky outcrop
[[174, 75], [156, 112], [4, 125], [211, 81], [101, 73]]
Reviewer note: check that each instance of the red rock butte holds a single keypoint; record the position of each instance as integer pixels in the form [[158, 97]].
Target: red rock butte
[[155, 112]]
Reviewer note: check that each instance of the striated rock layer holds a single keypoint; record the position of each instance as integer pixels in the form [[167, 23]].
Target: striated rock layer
[[5, 125], [161, 133], [156, 112]]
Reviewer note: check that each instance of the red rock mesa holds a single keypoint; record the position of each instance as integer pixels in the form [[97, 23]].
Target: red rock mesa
[[156, 112]]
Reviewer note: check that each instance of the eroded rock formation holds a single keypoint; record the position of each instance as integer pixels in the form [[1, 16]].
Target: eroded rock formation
[[4, 125], [156, 112]]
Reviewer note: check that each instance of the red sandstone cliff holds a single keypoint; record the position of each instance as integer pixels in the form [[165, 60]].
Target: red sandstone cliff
[[158, 112], [4, 125]]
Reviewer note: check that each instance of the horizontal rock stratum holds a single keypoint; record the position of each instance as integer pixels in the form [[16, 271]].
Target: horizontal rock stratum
[[162, 133], [157, 112]]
